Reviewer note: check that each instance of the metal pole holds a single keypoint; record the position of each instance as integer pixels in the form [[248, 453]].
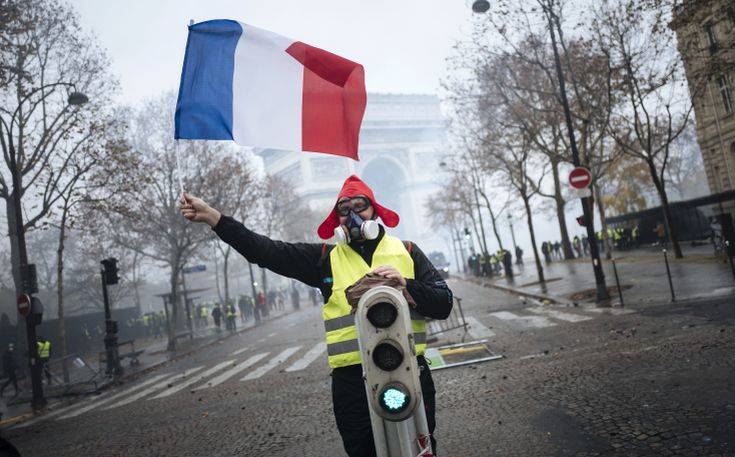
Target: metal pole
[[617, 283], [729, 257], [38, 401], [602, 293], [113, 359], [668, 273]]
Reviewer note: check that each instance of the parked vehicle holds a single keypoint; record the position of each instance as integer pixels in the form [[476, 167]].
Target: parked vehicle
[[440, 263]]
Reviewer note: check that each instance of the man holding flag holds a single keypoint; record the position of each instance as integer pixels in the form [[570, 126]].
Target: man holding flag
[[260, 89], [333, 268]]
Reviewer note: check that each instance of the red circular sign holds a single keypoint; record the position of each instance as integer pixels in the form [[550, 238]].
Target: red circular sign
[[24, 305], [580, 178]]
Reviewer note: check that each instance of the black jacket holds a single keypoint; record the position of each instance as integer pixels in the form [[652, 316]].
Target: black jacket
[[9, 365], [310, 264]]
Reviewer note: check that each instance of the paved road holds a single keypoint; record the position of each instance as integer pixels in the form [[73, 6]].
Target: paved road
[[574, 381]]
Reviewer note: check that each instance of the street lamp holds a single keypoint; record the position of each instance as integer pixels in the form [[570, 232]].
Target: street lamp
[[512, 233], [27, 276], [481, 6]]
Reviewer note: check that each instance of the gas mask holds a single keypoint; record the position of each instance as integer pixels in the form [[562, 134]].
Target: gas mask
[[357, 229]]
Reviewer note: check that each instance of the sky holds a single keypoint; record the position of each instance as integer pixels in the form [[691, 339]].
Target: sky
[[402, 44]]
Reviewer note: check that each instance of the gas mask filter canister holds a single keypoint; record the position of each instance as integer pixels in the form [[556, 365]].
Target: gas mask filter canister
[[357, 229]]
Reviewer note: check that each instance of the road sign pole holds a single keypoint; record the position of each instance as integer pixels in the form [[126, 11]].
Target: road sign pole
[[602, 293]]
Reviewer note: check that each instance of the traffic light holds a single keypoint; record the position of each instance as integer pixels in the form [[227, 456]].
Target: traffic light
[[388, 353], [110, 269]]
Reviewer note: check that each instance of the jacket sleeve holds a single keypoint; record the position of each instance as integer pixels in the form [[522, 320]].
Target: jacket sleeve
[[294, 260], [433, 297]]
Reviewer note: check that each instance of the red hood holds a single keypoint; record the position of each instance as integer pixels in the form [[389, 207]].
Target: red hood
[[353, 187]]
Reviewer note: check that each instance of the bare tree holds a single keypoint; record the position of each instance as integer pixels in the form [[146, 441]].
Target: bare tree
[[655, 108], [238, 194], [45, 58], [147, 219]]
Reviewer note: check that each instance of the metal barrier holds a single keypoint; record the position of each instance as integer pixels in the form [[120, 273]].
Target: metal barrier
[[455, 321], [79, 376]]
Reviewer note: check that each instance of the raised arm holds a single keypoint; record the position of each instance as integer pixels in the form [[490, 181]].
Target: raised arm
[[294, 260]]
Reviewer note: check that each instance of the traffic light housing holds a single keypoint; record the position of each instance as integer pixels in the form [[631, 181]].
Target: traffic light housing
[[388, 353], [110, 270]]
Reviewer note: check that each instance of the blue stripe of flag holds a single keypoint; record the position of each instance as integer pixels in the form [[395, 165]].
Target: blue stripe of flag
[[204, 106]]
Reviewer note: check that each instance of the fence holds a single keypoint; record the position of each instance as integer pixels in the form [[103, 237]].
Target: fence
[[455, 321]]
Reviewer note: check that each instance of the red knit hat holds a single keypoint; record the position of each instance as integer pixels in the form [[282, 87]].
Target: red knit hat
[[353, 187]]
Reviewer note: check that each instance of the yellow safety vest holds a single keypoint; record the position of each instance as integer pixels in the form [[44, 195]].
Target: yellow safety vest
[[339, 322], [44, 350]]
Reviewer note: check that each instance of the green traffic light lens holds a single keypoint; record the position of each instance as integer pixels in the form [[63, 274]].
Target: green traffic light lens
[[383, 314], [387, 355], [394, 398]]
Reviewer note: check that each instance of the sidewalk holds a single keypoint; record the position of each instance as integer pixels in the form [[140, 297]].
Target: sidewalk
[[642, 274], [18, 409]]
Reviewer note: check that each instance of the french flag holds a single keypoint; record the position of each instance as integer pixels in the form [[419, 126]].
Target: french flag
[[261, 89]]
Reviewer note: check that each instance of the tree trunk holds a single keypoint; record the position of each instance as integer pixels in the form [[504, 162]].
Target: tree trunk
[[225, 268], [15, 268], [60, 293], [492, 219], [668, 221], [173, 321], [264, 278], [560, 214], [216, 276], [136, 289], [603, 221], [539, 268]]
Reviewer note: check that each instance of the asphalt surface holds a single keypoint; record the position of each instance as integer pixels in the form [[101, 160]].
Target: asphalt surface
[[574, 381]]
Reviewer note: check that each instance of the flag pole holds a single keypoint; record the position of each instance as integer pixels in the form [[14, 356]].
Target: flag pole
[[178, 166]]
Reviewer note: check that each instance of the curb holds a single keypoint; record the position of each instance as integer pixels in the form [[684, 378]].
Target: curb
[[23, 417], [548, 299]]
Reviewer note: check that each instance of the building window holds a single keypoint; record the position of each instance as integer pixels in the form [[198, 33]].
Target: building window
[[723, 83], [709, 31]]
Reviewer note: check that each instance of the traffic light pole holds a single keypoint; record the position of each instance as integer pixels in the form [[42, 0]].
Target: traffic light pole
[[387, 345], [113, 356], [38, 401], [602, 292]]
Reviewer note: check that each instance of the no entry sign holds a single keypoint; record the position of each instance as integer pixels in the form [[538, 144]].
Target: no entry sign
[[580, 178], [24, 305]]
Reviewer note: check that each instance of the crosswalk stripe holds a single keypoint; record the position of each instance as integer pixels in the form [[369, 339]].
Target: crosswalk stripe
[[200, 377], [62, 410], [525, 321], [240, 351], [280, 358], [477, 330], [613, 311], [271, 335], [309, 357], [233, 371], [153, 388], [559, 314], [130, 390]]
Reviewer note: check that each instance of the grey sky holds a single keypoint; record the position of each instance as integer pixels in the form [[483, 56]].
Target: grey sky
[[401, 43]]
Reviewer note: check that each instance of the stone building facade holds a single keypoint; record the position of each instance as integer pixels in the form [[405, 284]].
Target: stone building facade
[[402, 143], [705, 32]]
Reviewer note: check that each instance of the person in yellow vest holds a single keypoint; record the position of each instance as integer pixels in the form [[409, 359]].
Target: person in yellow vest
[[363, 246], [44, 354]]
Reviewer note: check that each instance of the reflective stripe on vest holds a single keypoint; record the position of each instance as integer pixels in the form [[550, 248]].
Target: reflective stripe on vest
[[339, 322], [44, 350]]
